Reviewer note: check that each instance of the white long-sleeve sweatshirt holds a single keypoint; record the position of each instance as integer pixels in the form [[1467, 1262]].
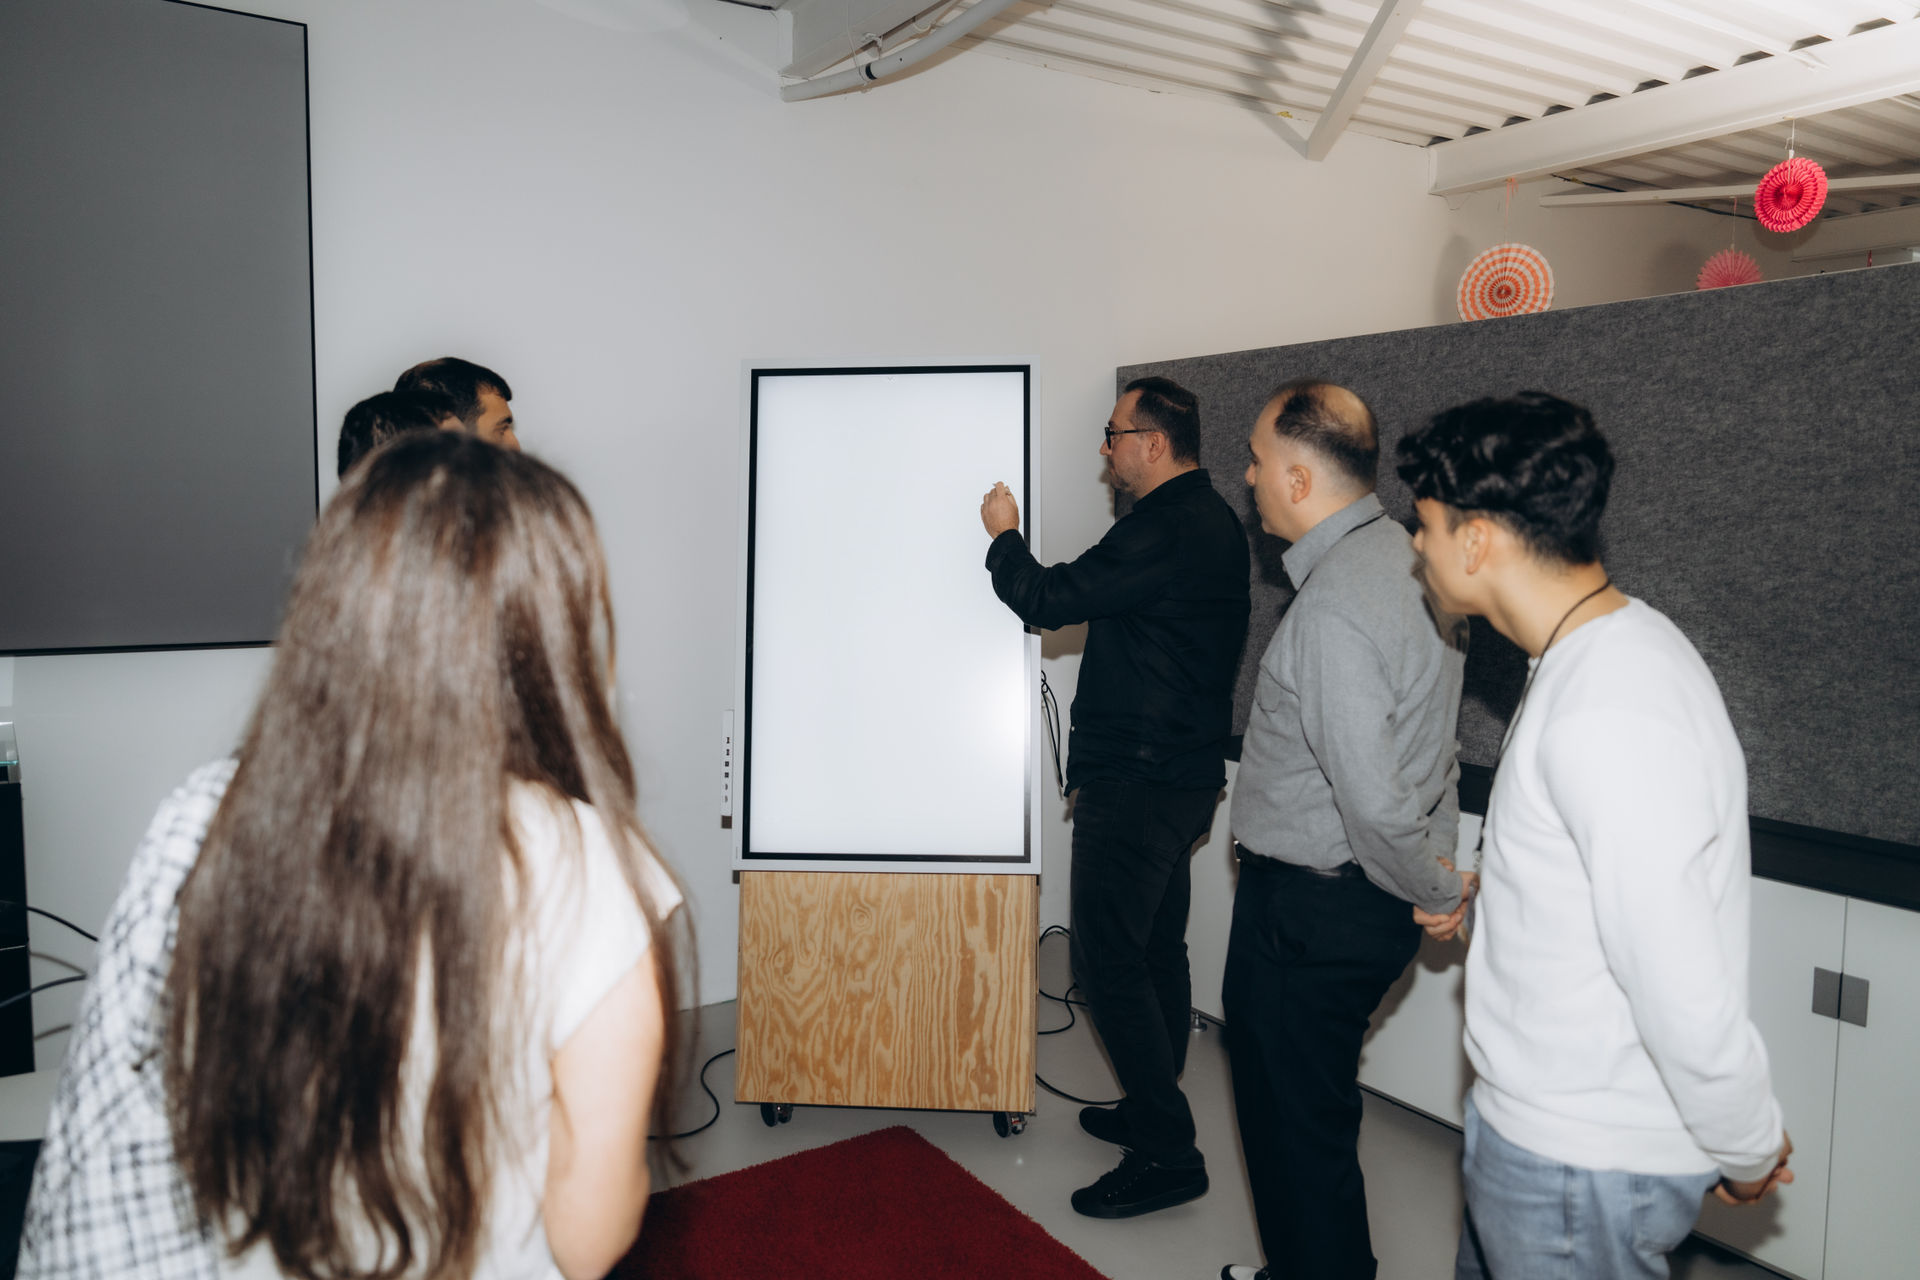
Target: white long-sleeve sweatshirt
[[1607, 975]]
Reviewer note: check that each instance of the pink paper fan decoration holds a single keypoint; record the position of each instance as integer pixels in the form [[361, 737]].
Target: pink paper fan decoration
[[1506, 280], [1791, 194], [1729, 266]]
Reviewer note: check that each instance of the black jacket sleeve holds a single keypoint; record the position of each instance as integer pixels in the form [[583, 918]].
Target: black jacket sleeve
[[1125, 569]]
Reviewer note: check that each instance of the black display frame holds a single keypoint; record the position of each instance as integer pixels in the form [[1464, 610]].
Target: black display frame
[[747, 855]]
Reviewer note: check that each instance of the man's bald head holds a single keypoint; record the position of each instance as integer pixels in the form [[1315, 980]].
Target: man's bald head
[[1334, 423]]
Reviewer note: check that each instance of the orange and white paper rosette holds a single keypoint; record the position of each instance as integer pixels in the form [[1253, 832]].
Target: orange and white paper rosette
[[1506, 280]]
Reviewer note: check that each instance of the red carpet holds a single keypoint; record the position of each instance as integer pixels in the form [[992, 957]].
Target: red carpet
[[878, 1207]]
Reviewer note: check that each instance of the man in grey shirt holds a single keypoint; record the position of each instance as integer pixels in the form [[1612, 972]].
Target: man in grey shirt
[[1345, 812]]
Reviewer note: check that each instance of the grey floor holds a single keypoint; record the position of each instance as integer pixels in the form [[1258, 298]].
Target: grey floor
[[1412, 1163]]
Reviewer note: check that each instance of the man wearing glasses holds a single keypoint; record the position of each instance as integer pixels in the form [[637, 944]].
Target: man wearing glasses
[[1164, 595]]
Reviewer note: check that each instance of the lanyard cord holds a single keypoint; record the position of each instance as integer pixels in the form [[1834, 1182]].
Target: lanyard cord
[[1521, 705]]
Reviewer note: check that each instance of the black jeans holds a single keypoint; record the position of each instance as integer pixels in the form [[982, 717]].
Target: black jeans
[[1130, 891], [1308, 961]]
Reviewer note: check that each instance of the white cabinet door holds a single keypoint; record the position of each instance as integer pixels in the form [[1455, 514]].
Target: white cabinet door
[[1795, 930], [1873, 1227], [1414, 1052]]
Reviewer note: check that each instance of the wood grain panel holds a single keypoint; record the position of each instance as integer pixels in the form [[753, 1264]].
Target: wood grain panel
[[886, 990]]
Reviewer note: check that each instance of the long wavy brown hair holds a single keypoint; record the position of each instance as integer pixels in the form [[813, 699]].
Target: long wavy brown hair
[[449, 631]]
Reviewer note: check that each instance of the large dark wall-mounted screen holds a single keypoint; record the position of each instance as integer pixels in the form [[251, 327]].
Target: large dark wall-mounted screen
[[157, 456], [1765, 499]]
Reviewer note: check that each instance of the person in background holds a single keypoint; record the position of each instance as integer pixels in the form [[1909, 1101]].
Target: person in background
[[1618, 1075], [387, 993], [1165, 594], [479, 396], [1345, 811], [379, 418]]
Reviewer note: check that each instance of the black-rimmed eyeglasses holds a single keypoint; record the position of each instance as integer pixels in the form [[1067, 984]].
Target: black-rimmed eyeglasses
[[1131, 431]]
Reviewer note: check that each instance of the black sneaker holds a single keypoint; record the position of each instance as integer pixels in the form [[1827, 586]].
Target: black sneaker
[[1241, 1271], [1107, 1124], [1139, 1186]]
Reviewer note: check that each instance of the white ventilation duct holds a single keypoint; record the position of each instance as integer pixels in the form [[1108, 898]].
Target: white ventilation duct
[[828, 32], [936, 39]]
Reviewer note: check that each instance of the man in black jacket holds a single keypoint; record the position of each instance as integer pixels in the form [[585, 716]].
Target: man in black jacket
[[1165, 594]]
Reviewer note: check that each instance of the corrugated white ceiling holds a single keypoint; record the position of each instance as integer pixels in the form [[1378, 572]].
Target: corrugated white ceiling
[[1465, 67]]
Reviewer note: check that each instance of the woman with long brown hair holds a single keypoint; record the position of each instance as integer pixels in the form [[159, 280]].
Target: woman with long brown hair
[[386, 995]]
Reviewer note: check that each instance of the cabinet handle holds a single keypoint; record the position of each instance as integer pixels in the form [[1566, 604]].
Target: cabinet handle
[[1853, 999], [1840, 995], [1826, 993]]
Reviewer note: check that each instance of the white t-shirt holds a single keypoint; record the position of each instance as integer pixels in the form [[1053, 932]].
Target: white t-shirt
[[1606, 992], [586, 933]]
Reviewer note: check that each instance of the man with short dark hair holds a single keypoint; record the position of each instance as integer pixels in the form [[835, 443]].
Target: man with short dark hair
[[1165, 594], [1615, 1062], [1345, 813], [381, 417], [479, 396]]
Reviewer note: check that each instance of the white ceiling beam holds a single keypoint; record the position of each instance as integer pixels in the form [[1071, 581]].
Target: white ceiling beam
[[1316, 72], [1295, 86], [1375, 48], [1862, 233], [1285, 117], [1881, 63], [1476, 99], [1672, 195]]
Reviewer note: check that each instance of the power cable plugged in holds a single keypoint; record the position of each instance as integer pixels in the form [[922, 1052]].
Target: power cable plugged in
[[45, 986], [1066, 1001], [711, 1097], [1072, 1018], [1050, 714], [57, 982]]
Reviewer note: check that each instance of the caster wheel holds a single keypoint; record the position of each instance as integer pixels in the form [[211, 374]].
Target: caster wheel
[[773, 1113], [1009, 1124]]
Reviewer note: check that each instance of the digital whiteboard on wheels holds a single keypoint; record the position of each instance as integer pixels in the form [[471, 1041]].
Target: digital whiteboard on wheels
[[885, 694]]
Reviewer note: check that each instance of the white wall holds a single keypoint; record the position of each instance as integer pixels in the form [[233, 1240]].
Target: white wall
[[615, 221], [1602, 254]]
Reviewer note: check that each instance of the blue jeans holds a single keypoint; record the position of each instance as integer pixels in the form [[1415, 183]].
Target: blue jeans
[[1531, 1218]]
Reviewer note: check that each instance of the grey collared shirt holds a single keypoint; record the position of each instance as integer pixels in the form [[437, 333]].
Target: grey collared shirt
[[1350, 752]]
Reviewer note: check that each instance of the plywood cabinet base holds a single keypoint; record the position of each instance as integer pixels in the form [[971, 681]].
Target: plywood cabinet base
[[883, 990]]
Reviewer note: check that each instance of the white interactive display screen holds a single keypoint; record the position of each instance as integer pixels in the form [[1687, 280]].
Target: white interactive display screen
[[887, 692]]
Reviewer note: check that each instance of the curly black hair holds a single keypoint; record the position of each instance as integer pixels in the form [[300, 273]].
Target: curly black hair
[[1537, 464]]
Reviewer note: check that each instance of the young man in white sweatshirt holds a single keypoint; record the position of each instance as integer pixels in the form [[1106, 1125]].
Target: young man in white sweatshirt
[[1619, 1076]]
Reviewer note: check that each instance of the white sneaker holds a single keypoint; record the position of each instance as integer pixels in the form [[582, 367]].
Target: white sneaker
[[1240, 1271]]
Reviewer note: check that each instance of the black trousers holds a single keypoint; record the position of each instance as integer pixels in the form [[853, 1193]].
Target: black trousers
[[1308, 961], [1131, 887]]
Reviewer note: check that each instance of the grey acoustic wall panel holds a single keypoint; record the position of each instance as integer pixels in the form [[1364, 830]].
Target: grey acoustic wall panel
[[156, 341], [1767, 498]]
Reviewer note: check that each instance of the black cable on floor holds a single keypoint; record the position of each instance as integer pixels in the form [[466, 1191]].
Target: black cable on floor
[[1072, 1018], [1067, 1000], [711, 1120]]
